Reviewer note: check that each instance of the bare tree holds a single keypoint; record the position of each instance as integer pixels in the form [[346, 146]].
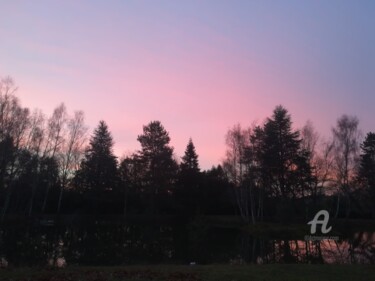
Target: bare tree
[[55, 131], [253, 157], [34, 146], [324, 166], [36, 130], [55, 138], [14, 125], [72, 151], [234, 165], [346, 139], [309, 143], [310, 139], [8, 106]]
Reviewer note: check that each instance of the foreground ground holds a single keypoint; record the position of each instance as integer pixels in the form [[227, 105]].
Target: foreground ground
[[195, 273]]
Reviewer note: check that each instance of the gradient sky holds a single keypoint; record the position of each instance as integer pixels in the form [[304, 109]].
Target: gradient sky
[[197, 66]]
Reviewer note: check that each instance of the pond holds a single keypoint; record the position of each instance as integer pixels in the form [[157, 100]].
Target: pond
[[101, 243]]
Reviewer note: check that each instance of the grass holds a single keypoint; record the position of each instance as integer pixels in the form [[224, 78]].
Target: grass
[[273, 272]]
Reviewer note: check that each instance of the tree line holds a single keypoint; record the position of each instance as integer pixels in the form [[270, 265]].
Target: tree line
[[285, 172], [271, 171]]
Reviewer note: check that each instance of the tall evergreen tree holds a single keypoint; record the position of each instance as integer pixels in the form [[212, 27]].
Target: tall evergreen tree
[[160, 169], [157, 156], [367, 168], [190, 159], [285, 165], [98, 171], [189, 193], [280, 147]]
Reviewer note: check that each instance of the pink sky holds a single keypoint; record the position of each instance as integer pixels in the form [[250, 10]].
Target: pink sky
[[197, 67]]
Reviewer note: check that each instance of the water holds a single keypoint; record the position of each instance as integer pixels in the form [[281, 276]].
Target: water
[[101, 243]]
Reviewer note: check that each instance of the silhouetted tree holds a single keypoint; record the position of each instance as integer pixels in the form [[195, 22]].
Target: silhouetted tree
[[254, 178], [10, 111], [190, 159], [56, 130], [189, 167], [14, 124], [234, 165], [324, 167], [346, 147], [188, 191], [319, 163], [72, 151], [131, 175], [243, 167], [367, 168], [216, 193], [309, 139], [98, 171], [285, 165], [7, 155], [157, 157]]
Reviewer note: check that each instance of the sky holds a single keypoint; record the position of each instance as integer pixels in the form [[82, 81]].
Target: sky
[[199, 67]]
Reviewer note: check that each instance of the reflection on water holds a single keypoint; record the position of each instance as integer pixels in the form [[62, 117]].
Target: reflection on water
[[118, 244], [360, 249]]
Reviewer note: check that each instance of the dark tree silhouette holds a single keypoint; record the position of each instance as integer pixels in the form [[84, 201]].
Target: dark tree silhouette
[[160, 168], [188, 192], [131, 179], [98, 171], [285, 165], [215, 195], [280, 147], [7, 155], [190, 159], [367, 168], [72, 151], [237, 140], [157, 156], [254, 158], [346, 148]]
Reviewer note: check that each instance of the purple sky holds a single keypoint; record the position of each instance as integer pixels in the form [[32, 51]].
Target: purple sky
[[197, 66]]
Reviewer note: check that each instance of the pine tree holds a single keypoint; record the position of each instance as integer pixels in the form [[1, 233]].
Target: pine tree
[[157, 156], [99, 167], [285, 164], [367, 168], [189, 193], [367, 160], [159, 173], [190, 159], [189, 168]]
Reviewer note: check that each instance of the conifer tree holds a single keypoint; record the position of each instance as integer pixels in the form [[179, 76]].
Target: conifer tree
[[99, 167], [367, 168], [284, 162], [157, 157], [189, 193], [190, 159]]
